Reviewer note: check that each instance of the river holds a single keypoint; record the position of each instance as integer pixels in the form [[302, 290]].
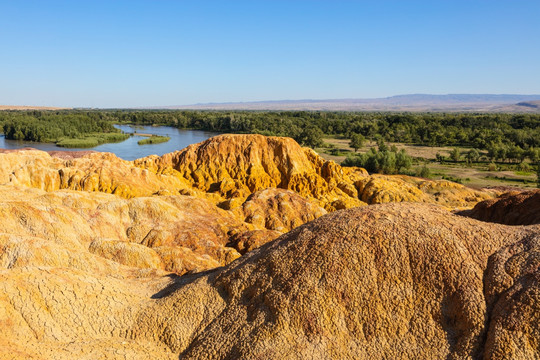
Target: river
[[128, 149]]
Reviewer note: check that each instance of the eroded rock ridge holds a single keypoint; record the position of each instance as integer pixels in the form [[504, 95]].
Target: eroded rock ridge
[[174, 257]]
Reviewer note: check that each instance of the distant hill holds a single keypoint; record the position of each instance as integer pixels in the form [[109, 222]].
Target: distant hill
[[23, 107], [413, 102], [531, 104]]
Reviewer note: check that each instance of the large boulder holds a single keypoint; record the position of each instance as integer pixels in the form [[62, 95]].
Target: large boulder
[[512, 208]]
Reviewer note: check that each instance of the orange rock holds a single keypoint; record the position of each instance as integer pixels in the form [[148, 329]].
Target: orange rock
[[280, 210], [385, 281], [250, 240], [225, 170], [238, 165], [513, 208], [513, 298]]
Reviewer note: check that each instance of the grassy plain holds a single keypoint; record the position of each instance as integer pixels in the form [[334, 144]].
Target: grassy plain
[[476, 174]]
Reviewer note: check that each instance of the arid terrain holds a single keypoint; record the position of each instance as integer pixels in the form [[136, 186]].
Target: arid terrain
[[409, 102], [253, 247], [24, 107]]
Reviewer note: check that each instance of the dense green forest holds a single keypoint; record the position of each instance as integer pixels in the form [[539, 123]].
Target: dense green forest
[[66, 129], [506, 137]]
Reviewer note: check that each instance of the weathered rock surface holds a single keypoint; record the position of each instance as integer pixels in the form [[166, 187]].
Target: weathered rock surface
[[346, 287], [92, 248], [226, 169], [178, 233], [513, 208], [378, 189], [280, 210], [385, 281], [513, 298]]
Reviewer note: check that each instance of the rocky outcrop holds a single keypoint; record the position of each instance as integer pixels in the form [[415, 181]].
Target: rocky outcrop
[[185, 256], [512, 208], [173, 233], [225, 170], [280, 210], [235, 166], [513, 300], [177, 234], [346, 287], [95, 172], [378, 189], [402, 281]]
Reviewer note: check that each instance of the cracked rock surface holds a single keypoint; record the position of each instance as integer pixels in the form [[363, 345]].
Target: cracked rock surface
[[383, 281], [245, 246]]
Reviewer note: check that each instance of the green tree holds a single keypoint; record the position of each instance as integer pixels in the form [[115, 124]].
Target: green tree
[[357, 141], [533, 154], [311, 136], [403, 161], [473, 155], [385, 162], [424, 172], [455, 155], [381, 144]]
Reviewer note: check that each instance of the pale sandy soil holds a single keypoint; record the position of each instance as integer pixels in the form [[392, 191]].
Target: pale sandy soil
[[24, 107]]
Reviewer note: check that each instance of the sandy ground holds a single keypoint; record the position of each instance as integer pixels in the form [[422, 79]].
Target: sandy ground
[[23, 107]]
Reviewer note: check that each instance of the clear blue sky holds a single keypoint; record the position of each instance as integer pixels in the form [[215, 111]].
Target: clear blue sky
[[153, 53]]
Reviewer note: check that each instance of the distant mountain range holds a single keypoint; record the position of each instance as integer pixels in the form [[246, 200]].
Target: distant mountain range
[[413, 102], [509, 103]]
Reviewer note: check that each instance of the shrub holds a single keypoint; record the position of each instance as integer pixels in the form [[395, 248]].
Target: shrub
[[424, 172], [523, 167], [154, 139], [382, 161], [357, 141]]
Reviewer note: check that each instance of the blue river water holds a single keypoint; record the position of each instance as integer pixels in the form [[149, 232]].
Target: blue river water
[[128, 149]]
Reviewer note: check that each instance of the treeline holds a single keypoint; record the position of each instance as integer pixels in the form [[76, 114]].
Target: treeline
[[480, 131], [433, 129], [59, 127]]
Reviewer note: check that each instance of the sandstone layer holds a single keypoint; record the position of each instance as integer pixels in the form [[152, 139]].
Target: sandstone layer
[[225, 250], [225, 170], [512, 208], [173, 233], [343, 286]]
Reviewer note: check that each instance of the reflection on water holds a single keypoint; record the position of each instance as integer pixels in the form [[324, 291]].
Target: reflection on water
[[128, 149]]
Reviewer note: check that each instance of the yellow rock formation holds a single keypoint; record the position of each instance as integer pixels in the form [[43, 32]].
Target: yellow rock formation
[[341, 287], [226, 169], [177, 256]]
